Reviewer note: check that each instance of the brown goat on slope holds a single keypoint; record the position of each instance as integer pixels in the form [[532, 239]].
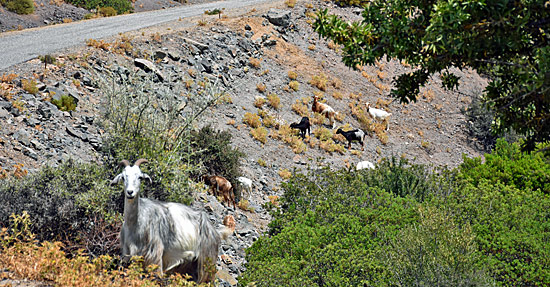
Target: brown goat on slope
[[220, 184], [323, 109]]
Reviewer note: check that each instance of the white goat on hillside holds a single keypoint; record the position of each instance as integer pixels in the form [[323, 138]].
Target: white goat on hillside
[[379, 114], [173, 236]]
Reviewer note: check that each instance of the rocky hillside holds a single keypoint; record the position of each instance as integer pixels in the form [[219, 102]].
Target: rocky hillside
[[247, 57]]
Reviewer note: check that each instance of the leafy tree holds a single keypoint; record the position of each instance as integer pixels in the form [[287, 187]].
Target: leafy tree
[[505, 40]]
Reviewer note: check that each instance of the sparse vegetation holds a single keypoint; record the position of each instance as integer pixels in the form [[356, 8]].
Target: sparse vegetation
[[259, 134], [320, 81], [274, 101], [294, 85], [21, 7], [252, 120]]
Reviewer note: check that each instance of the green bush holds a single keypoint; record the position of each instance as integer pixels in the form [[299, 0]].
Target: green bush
[[404, 179], [107, 11], [435, 252], [121, 6], [215, 153], [21, 7], [65, 103], [508, 165], [65, 202], [328, 233]]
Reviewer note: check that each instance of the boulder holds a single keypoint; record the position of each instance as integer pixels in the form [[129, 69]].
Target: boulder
[[278, 17]]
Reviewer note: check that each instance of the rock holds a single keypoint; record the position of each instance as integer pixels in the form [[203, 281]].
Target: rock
[[225, 276], [3, 113], [278, 17], [23, 137], [247, 27], [248, 34], [207, 66], [159, 54], [148, 66], [31, 121], [174, 55]]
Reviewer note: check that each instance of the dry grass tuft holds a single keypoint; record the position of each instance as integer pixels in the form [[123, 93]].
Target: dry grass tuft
[[301, 109], [274, 101], [259, 102], [254, 62], [294, 85], [259, 134], [261, 87], [292, 75], [252, 120], [319, 81], [285, 174]]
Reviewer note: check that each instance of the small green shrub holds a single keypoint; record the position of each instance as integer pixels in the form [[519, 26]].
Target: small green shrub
[[508, 165], [65, 103], [215, 152], [29, 86], [21, 7], [121, 6], [107, 11]]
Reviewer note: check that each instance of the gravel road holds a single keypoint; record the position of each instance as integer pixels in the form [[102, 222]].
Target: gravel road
[[20, 46]]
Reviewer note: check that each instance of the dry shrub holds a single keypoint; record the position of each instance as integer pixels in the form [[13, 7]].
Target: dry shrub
[[7, 78], [311, 14], [297, 145], [290, 3], [338, 95], [259, 102], [245, 205], [285, 174], [331, 45], [318, 119], [264, 72], [336, 83], [202, 22], [261, 87], [270, 121], [252, 120], [339, 117], [260, 134], [23, 257], [354, 96], [294, 85], [274, 199], [381, 75], [380, 130], [254, 62], [312, 142], [356, 152], [292, 75], [29, 86], [330, 146], [300, 109], [319, 81], [123, 45], [311, 47], [284, 133], [262, 162], [231, 122], [274, 101], [323, 134], [381, 103], [101, 44], [360, 114]]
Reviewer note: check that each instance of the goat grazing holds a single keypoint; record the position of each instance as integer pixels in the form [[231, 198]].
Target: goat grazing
[[378, 114], [354, 135], [303, 126], [364, 164], [220, 184], [323, 109], [171, 235]]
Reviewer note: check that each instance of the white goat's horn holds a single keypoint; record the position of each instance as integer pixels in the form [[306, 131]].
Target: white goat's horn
[[140, 161], [124, 163]]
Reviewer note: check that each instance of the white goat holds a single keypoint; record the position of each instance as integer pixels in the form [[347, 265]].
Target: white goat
[[378, 114], [173, 236], [364, 164], [245, 184]]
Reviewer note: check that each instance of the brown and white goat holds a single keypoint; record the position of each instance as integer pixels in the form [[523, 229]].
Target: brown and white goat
[[221, 186], [323, 109]]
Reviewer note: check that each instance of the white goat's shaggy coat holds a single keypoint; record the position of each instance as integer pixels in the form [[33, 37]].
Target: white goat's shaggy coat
[[364, 164], [379, 114], [171, 235]]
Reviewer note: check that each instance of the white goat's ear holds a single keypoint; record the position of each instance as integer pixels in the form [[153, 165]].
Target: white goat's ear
[[116, 179], [146, 176]]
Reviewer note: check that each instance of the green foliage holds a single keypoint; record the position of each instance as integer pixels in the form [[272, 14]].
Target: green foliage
[[107, 11], [47, 60], [215, 152], [510, 166], [21, 7], [435, 252], [65, 103], [319, 236], [60, 200], [508, 41], [121, 6], [511, 228], [404, 179]]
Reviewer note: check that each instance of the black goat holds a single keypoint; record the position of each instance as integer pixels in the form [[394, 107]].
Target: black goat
[[354, 135], [303, 126]]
